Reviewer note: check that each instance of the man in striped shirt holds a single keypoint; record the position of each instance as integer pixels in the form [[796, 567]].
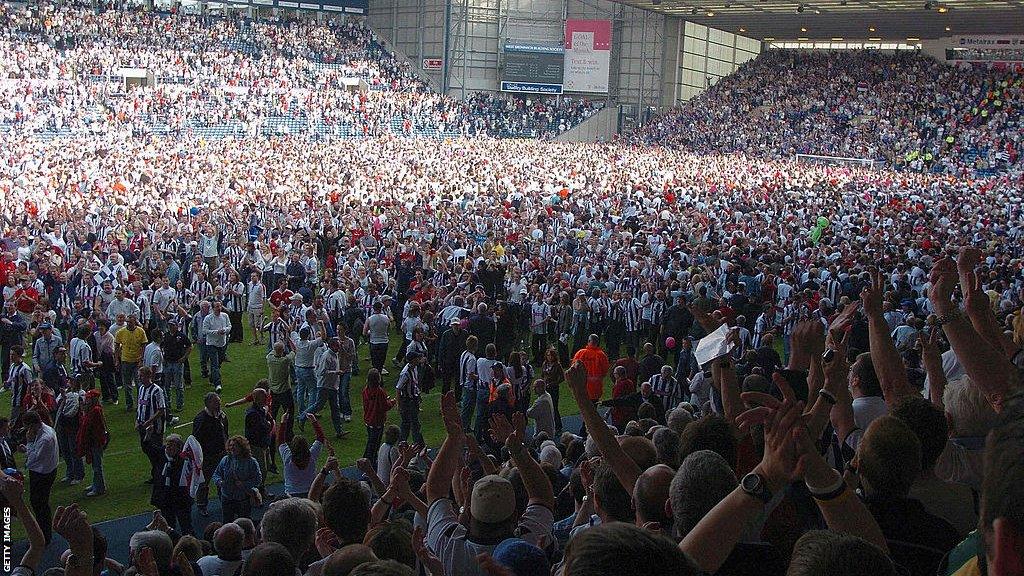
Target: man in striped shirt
[[150, 417], [19, 376]]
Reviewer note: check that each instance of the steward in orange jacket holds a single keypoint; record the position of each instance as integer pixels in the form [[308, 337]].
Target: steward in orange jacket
[[596, 362]]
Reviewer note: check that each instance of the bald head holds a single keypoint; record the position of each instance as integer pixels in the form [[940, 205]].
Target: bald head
[[650, 494], [345, 559]]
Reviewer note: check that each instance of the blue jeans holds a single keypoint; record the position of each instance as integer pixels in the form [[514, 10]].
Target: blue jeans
[[205, 351], [128, 372], [474, 400], [98, 485], [69, 445], [173, 373], [305, 388], [329, 397], [214, 354], [344, 401]]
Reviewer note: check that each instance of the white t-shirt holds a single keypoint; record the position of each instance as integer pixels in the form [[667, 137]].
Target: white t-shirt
[[387, 454], [449, 540]]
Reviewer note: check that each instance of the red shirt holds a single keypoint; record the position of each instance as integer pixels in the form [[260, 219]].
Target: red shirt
[[90, 431], [278, 297], [375, 406], [27, 304]]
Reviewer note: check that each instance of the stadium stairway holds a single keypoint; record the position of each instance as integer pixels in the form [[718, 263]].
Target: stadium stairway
[[119, 531]]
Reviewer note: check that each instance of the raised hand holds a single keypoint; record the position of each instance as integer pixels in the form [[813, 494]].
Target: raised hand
[[871, 295], [943, 278], [146, 563], [332, 464], [158, 522], [501, 428], [326, 542], [73, 524], [975, 300], [779, 464], [364, 466], [842, 323], [576, 377], [450, 415], [12, 488], [400, 481], [182, 563], [425, 555], [930, 344], [968, 259]]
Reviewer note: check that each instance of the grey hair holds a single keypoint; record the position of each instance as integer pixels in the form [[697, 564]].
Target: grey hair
[[678, 419], [290, 522], [157, 541], [666, 443], [970, 412], [702, 481]]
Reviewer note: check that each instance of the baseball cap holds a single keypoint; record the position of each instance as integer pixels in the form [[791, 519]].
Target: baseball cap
[[581, 292], [494, 500], [456, 322], [45, 326], [521, 557]]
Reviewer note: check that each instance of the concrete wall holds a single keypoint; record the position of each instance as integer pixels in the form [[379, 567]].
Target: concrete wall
[[412, 27], [600, 127], [649, 64]]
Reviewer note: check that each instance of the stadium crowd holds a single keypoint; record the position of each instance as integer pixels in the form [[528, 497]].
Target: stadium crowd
[[803, 372], [481, 267], [64, 68], [907, 111]]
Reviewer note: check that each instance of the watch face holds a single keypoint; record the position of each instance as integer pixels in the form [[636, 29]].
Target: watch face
[[752, 483]]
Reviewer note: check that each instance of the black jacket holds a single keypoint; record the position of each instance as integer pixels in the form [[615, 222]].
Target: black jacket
[[212, 434], [13, 333], [257, 427]]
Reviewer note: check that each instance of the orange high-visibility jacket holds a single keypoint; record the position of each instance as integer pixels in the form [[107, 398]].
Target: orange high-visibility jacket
[[596, 363]]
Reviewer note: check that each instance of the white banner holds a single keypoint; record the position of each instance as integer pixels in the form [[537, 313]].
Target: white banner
[[587, 55]]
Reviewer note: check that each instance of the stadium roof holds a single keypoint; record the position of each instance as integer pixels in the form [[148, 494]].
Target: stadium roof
[[848, 19]]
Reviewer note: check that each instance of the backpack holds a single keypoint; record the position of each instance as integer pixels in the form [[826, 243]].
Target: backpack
[[70, 411]]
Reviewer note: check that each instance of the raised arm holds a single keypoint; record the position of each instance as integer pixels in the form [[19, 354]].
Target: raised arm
[[537, 485], [714, 537], [987, 366], [439, 478], [892, 375], [843, 511], [13, 490], [976, 302], [624, 467], [932, 361], [723, 374]]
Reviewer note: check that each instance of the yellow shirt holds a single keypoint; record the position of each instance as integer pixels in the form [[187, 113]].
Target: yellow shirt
[[132, 343]]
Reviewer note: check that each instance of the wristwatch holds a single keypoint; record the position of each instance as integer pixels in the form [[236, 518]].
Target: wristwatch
[[79, 562], [755, 485]]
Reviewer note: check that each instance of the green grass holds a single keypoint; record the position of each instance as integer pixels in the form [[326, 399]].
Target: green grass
[[126, 467]]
